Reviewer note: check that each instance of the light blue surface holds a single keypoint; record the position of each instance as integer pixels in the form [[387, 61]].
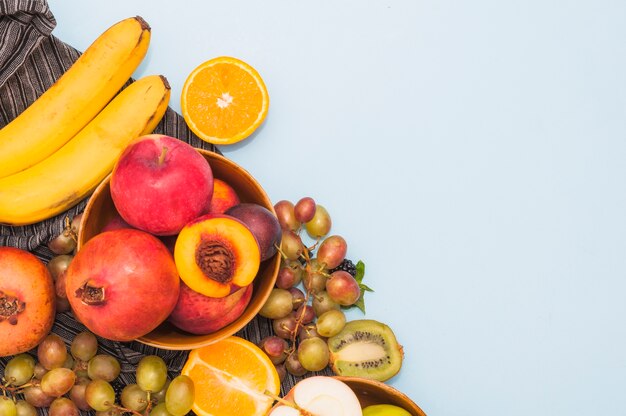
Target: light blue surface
[[472, 153]]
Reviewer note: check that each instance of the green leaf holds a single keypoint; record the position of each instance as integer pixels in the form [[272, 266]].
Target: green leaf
[[361, 302], [365, 288], [360, 271]]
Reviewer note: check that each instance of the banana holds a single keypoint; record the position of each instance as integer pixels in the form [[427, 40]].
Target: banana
[[75, 98], [72, 172]]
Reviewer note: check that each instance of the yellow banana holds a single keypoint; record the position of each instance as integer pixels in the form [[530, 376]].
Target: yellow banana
[[75, 99], [71, 173]]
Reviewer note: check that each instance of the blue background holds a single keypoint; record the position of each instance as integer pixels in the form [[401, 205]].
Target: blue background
[[473, 155]]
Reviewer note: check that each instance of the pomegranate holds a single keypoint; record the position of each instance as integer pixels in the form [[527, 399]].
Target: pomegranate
[[122, 284], [27, 301]]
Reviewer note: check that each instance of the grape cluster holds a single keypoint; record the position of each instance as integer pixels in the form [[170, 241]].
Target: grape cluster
[[81, 379], [314, 284]]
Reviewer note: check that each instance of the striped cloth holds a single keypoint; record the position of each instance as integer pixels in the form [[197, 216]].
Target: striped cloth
[[31, 59]]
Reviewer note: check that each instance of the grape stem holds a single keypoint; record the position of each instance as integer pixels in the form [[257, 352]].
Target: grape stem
[[125, 410], [308, 269], [67, 231], [12, 390]]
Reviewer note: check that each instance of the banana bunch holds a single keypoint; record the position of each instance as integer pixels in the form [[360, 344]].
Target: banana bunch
[[61, 147]]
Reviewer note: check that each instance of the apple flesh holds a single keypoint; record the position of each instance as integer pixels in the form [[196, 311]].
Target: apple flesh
[[160, 183], [320, 396], [201, 315]]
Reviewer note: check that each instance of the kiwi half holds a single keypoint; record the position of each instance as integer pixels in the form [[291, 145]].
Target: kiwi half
[[365, 348]]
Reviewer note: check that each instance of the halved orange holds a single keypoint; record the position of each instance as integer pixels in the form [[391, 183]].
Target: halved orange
[[224, 100], [231, 377]]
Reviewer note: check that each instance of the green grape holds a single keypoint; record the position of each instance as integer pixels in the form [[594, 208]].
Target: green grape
[[64, 243], [134, 398], [57, 382], [104, 367], [100, 395], [320, 224], [313, 354], [278, 305], [59, 264], [84, 346], [322, 302], [180, 396], [25, 409], [151, 373], [159, 396], [330, 323], [63, 407], [160, 410], [19, 370], [291, 245], [69, 362], [7, 407], [315, 281]]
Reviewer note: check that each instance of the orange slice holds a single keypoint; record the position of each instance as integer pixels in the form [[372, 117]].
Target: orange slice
[[224, 100], [231, 377]]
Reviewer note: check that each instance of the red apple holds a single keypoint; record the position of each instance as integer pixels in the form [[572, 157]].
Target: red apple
[[122, 284], [160, 183], [200, 315]]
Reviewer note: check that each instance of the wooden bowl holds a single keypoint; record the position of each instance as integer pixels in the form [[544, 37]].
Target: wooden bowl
[[100, 210], [372, 392]]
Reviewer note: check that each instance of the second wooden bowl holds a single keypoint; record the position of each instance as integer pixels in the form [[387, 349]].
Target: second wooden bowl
[[372, 392]]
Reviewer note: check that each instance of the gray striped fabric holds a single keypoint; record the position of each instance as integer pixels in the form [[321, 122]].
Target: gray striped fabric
[[30, 61]]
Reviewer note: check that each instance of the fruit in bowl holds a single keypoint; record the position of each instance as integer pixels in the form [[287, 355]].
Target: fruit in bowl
[[199, 314], [216, 255], [160, 183], [262, 223], [101, 211], [122, 284], [224, 197]]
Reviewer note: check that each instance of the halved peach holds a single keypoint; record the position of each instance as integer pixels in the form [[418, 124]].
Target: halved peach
[[216, 255]]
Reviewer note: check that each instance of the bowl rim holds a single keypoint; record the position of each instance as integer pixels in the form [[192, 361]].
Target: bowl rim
[[379, 385], [273, 263]]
